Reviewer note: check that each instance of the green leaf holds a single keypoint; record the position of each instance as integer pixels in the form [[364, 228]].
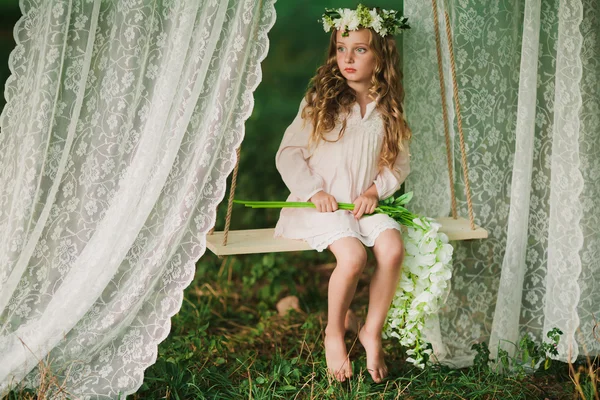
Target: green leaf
[[404, 199], [387, 202]]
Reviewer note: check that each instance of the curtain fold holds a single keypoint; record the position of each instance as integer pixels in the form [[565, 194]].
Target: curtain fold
[[565, 236], [119, 131], [588, 307], [421, 81], [505, 325], [528, 85]]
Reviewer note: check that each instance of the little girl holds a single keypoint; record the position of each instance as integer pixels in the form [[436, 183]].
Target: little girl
[[349, 143]]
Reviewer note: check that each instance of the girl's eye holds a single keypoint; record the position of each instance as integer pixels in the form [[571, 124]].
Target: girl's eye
[[361, 50], [340, 49]]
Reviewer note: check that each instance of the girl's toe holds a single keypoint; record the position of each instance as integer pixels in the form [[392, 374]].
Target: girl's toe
[[334, 374], [375, 375]]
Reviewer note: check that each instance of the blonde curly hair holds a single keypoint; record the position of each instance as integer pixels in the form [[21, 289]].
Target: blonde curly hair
[[330, 97]]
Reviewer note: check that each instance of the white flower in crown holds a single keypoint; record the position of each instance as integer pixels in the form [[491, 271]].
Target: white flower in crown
[[376, 20], [348, 18], [381, 21], [354, 22], [338, 23]]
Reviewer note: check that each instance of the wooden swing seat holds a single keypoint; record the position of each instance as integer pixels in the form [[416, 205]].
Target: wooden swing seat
[[253, 241]]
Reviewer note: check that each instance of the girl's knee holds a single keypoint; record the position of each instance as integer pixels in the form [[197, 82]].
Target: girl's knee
[[392, 254], [352, 259], [397, 251], [351, 268], [396, 254]]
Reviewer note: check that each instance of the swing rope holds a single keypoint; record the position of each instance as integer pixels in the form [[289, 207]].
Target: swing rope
[[463, 150], [232, 195], [438, 47]]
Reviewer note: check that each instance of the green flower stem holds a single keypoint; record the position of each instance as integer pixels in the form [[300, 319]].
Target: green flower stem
[[397, 212]]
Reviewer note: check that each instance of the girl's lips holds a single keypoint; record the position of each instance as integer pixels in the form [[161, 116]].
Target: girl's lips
[[350, 70]]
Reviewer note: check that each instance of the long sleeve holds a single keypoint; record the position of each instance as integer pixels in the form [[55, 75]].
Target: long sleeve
[[292, 159], [388, 180]]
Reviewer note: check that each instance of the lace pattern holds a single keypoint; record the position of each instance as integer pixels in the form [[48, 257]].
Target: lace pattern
[[112, 174], [537, 269], [321, 242]]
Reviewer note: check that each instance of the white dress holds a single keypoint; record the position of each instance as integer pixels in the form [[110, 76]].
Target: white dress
[[345, 169]]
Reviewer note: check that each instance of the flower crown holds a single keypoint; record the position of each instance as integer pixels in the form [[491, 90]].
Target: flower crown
[[381, 21]]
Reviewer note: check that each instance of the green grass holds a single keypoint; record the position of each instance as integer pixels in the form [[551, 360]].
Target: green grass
[[228, 342]]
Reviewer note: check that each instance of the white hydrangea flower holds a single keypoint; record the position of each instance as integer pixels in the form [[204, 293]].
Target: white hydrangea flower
[[427, 246], [444, 253], [415, 234], [407, 285], [423, 286], [424, 297], [443, 237], [326, 25]]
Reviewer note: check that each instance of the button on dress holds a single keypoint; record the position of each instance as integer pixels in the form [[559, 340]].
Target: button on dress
[[345, 169]]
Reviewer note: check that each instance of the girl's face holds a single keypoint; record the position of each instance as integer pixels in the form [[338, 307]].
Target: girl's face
[[355, 58]]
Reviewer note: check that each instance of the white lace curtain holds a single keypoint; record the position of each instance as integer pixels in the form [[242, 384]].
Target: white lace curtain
[[119, 131], [529, 86]]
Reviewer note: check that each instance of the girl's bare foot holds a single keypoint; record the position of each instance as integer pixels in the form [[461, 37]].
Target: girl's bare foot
[[338, 362], [375, 362]]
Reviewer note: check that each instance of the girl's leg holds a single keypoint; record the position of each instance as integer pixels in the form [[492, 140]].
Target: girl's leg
[[351, 324], [389, 253], [351, 258]]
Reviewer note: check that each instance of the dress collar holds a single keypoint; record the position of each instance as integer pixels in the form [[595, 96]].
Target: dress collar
[[369, 109]]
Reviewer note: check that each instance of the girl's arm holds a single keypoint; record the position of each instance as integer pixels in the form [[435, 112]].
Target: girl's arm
[[388, 180], [292, 156]]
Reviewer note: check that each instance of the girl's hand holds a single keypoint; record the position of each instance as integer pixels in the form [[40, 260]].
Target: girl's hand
[[365, 204], [324, 202]]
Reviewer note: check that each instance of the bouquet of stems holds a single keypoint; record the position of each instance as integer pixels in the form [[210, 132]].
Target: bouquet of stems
[[426, 271], [390, 206]]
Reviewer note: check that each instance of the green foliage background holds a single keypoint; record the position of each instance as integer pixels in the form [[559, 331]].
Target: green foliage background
[[9, 14]]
